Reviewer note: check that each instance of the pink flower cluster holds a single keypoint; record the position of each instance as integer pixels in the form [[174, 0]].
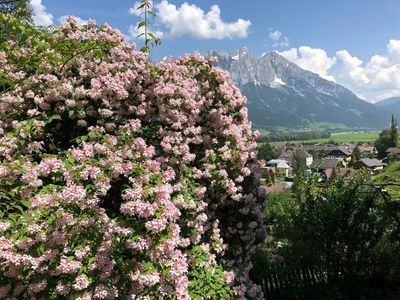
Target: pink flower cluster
[[154, 160]]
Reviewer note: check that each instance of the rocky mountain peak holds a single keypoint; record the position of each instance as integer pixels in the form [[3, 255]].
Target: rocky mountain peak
[[246, 68], [281, 92]]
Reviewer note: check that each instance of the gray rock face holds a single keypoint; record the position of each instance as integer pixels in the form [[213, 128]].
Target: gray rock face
[[273, 70], [282, 94]]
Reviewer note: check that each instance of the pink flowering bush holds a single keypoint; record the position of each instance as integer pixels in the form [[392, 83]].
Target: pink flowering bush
[[120, 178]]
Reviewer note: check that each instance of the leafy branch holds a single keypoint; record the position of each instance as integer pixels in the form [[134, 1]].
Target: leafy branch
[[150, 40]]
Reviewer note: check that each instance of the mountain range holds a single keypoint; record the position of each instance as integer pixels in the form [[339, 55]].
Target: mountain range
[[280, 93], [391, 105]]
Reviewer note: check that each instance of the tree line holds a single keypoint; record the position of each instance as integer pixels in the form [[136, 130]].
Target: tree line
[[283, 137]]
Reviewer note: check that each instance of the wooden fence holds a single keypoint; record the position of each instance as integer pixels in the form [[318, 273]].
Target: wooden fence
[[282, 281]]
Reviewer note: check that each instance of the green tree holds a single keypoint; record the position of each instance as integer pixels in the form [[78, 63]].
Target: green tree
[[355, 156], [280, 204], [299, 162], [394, 137], [266, 152], [271, 177], [383, 142], [357, 153], [387, 138], [18, 8]]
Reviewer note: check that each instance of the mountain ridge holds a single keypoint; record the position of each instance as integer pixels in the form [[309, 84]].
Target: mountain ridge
[[280, 93], [388, 101], [390, 105]]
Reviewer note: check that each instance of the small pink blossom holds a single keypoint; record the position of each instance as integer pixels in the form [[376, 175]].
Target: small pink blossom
[[81, 283], [4, 226]]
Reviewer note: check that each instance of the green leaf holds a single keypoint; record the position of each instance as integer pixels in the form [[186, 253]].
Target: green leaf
[[149, 267], [145, 49], [91, 260], [21, 210]]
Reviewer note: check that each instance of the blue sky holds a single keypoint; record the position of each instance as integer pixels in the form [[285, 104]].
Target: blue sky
[[355, 42]]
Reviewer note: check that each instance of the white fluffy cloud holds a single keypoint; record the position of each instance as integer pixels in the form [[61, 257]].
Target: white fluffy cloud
[[378, 79], [311, 59], [78, 20], [278, 39], [350, 69], [40, 16], [394, 51], [374, 80], [189, 19]]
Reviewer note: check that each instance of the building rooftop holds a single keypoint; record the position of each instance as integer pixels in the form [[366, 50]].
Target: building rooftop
[[371, 162], [395, 150], [366, 148], [345, 150], [279, 163], [325, 163]]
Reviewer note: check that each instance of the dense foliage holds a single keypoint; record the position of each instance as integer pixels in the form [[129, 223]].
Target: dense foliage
[[387, 138], [266, 152], [394, 135], [349, 232], [121, 178], [17, 8], [383, 143], [299, 162]]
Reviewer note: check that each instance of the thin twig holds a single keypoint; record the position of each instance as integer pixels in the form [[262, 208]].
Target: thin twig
[[76, 54]]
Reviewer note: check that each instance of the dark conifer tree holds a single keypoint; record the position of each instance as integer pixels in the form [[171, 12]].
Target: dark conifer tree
[[393, 132]]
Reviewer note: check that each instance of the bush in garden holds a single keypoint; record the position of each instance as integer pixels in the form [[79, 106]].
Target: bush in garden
[[120, 178], [346, 233]]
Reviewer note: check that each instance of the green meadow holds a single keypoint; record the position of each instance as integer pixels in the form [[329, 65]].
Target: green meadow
[[340, 137]]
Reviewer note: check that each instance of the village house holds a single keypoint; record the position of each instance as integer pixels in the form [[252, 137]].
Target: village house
[[309, 159], [326, 167], [341, 153], [372, 164], [319, 150], [279, 167], [395, 151], [367, 150], [288, 154]]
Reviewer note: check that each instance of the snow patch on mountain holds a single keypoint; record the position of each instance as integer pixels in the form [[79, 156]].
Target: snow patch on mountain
[[277, 82]]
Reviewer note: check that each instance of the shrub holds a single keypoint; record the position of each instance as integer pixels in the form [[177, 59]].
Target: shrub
[[346, 233], [121, 178]]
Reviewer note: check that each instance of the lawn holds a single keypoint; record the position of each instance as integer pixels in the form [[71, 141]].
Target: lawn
[[341, 137], [390, 175]]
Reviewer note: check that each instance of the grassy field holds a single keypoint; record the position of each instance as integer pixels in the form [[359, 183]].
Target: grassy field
[[390, 175], [320, 126], [341, 137], [323, 126]]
